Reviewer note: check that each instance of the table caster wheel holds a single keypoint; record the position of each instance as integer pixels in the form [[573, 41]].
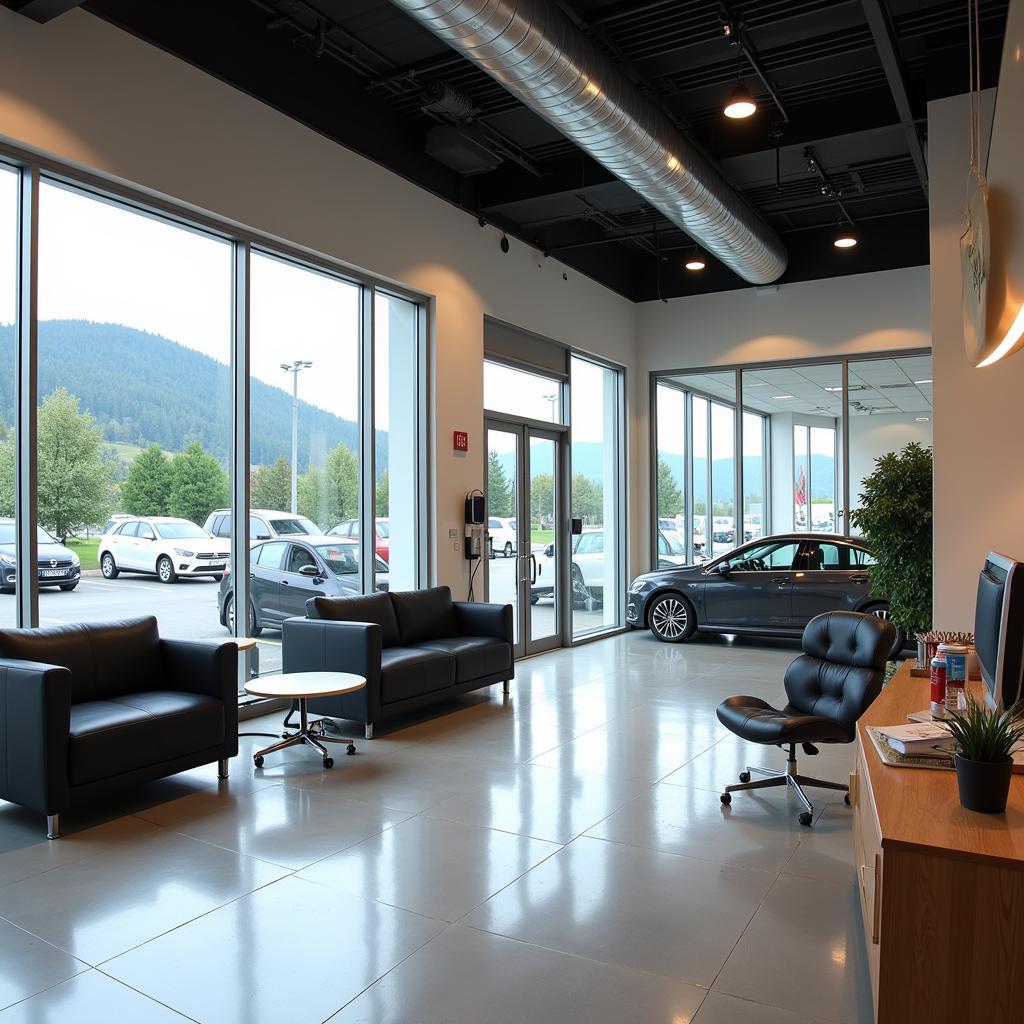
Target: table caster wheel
[[744, 776], [805, 818], [258, 760], [846, 799], [351, 749], [726, 799], [328, 762]]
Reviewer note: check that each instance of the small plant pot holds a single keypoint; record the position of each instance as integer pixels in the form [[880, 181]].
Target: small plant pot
[[984, 785]]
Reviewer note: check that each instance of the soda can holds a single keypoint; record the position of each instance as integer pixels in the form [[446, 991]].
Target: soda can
[[956, 673], [937, 676]]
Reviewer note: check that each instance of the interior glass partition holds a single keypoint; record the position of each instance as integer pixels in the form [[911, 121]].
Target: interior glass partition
[[134, 413], [8, 391]]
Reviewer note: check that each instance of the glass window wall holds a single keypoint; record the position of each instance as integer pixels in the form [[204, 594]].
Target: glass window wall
[[8, 390]]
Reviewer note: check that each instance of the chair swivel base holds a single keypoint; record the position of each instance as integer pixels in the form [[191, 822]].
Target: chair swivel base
[[790, 777], [310, 734]]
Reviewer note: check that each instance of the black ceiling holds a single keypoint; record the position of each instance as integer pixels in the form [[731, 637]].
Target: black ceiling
[[853, 77]]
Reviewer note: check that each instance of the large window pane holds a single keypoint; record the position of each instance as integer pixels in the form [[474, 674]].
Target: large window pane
[[8, 389], [723, 477], [304, 445], [754, 478], [670, 493], [397, 412], [134, 413], [700, 482], [596, 444], [520, 393]]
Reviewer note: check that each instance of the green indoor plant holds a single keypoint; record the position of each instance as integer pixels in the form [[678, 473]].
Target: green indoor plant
[[985, 740], [896, 519]]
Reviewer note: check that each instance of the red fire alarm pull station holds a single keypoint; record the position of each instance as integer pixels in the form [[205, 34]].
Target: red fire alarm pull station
[[460, 441]]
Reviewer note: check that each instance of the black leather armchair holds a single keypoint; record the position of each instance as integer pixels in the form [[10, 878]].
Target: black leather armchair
[[89, 708], [414, 648], [828, 688]]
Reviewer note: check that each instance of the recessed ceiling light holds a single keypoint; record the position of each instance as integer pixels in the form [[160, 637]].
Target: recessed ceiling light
[[695, 263], [783, 398], [741, 104], [928, 381], [845, 240], [921, 419]]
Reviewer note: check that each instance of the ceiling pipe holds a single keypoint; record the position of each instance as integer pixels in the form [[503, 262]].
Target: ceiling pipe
[[534, 51]]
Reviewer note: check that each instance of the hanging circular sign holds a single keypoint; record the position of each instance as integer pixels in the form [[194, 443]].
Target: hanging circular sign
[[974, 272]]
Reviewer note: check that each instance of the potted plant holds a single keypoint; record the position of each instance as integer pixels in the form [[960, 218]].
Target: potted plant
[[985, 740], [896, 520]]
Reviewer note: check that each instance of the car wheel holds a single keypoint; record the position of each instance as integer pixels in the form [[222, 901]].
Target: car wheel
[[69, 586], [508, 549], [881, 611], [582, 599], [490, 548], [109, 567], [165, 570], [229, 615], [672, 618]]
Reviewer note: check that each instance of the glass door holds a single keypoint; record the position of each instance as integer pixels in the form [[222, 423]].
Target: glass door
[[525, 523]]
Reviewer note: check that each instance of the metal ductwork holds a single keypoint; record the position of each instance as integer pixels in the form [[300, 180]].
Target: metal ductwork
[[535, 52]]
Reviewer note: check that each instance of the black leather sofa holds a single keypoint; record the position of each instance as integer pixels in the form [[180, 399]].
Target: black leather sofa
[[414, 648], [90, 708]]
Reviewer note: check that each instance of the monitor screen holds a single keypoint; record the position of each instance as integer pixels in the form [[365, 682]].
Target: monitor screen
[[999, 628], [988, 619]]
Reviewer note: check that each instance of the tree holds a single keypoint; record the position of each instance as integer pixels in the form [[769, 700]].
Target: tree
[[500, 495], [198, 484], [73, 477], [271, 486], [383, 495], [587, 499], [313, 498], [6, 471], [341, 484], [146, 490], [670, 497], [542, 499]]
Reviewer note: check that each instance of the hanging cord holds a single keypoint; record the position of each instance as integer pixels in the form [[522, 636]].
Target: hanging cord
[[975, 173]]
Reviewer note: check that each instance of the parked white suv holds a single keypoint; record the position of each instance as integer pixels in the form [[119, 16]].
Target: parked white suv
[[264, 524], [501, 536], [164, 547]]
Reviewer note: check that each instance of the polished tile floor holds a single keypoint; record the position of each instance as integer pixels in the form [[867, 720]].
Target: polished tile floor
[[561, 856]]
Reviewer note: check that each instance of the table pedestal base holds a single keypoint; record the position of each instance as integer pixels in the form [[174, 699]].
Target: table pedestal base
[[311, 733]]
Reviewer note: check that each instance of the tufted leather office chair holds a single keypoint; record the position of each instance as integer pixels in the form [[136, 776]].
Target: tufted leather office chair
[[828, 688]]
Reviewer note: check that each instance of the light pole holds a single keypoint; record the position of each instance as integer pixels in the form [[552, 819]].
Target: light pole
[[294, 368]]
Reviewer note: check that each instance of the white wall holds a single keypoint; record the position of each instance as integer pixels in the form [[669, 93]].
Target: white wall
[[873, 436], [879, 312], [979, 414], [92, 95]]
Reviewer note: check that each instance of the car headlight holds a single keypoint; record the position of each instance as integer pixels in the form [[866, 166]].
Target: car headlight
[[75, 560], [7, 559], [183, 552], [637, 586]]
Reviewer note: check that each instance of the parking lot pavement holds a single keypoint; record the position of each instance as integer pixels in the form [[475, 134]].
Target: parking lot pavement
[[185, 610]]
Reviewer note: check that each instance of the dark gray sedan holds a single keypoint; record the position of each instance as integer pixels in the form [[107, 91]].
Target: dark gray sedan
[[772, 586], [58, 566], [285, 573]]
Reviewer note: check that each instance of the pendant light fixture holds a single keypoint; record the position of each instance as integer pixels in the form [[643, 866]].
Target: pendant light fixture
[[695, 261], [846, 239], [741, 104]]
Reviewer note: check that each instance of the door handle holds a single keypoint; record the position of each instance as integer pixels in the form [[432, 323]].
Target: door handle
[[781, 579], [285, 583], [533, 568]]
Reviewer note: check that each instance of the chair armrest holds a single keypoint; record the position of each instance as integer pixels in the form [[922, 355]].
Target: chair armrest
[[206, 667], [323, 645], [478, 619], [35, 719]]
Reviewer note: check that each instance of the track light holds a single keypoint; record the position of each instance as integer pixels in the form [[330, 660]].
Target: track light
[[741, 104], [504, 243], [846, 239]]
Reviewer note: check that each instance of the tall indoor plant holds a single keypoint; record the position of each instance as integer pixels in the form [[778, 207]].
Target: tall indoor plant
[[896, 519]]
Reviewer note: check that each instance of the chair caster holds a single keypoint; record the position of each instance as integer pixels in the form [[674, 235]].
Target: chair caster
[[257, 760], [328, 762], [744, 776], [351, 749], [846, 799], [805, 818], [726, 798]]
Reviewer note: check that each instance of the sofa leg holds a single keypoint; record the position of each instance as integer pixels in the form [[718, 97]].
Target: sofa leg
[[505, 687], [222, 768], [369, 730], [53, 826]]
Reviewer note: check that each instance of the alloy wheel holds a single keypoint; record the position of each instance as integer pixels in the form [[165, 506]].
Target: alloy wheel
[[670, 618]]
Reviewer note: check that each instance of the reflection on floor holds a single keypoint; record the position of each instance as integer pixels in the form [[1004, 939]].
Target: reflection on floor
[[560, 857]]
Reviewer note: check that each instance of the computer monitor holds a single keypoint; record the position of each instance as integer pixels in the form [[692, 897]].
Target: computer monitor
[[999, 629]]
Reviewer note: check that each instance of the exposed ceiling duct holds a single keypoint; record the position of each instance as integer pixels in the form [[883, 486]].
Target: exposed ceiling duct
[[535, 52]]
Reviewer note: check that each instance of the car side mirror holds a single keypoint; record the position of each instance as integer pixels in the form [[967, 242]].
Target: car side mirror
[[309, 570], [723, 568]]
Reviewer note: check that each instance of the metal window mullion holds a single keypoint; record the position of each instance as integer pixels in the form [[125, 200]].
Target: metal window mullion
[[738, 518], [563, 514], [654, 453], [26, 435], [367, 448], [424, 512], [240, 362], [621, 440], [688, 511], [709, 501], [845, 382]]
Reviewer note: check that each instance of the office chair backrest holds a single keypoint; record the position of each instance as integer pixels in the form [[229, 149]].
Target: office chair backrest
[[841, 670]]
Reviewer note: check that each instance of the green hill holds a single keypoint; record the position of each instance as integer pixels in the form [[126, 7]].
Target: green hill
[[146, 389]]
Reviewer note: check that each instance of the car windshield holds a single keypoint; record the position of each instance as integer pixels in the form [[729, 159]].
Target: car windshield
[[674, 544], [7, 535], [300, 524], [382, 529], [179, 531], [342, 559]]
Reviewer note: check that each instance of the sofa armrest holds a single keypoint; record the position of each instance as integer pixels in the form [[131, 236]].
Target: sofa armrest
[[478, 619], [35, 719], [324, 645], [206, 667]]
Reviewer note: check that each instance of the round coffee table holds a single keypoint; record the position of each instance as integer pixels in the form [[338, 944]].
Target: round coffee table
[[303, 687]]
